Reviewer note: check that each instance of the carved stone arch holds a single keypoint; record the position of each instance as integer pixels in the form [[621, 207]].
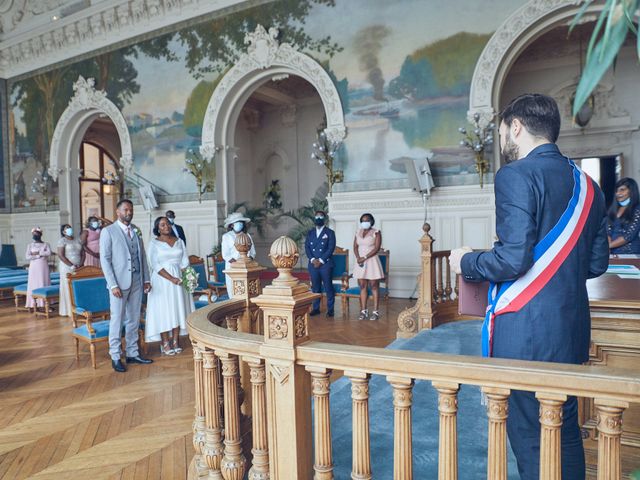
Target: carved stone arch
[[86, 105], [518, 31], [265, 59]]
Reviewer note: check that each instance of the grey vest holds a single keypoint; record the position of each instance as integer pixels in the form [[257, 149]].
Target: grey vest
[[132, 243]]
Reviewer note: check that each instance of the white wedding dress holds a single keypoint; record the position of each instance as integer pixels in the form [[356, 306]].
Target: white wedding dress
[[167, 304]]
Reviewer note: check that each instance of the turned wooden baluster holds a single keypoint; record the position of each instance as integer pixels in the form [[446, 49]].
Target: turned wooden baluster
[[320, 385], [550, 425], [497, 411], [213, 449], [448, 446], [199, 422], [233, 463], [609, 433], [260, 468], [447, 289], [434, 279], [402, 448], [361, 467], [440, 281]]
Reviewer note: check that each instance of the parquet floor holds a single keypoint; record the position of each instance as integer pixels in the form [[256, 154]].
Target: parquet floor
[[61, 419]]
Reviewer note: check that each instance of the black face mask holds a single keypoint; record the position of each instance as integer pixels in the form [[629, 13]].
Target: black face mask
[[319, 221], [37, 238]]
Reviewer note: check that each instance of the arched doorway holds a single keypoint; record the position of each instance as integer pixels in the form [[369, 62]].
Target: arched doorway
[[100, 182], [266, 60], [88, 116]]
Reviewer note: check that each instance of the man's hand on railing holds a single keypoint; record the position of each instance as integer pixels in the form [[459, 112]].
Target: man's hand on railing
[[456, 257]]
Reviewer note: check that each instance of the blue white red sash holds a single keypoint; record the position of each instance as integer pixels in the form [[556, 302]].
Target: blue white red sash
[[548, 255]]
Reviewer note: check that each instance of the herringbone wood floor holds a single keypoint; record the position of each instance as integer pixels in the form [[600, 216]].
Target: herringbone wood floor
[[61, 419]]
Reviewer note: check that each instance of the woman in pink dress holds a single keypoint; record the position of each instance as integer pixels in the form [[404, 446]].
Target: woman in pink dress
[[90, 240], [38, 253], [368, 269]]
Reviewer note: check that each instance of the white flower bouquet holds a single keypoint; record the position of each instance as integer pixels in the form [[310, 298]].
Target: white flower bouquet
[[190, 279]]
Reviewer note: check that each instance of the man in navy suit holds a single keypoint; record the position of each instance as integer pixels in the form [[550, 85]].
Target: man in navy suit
[[319, 247], [178, 231], [551, 322]]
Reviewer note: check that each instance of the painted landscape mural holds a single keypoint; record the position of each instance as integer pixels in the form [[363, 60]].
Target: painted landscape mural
[[402, 69]]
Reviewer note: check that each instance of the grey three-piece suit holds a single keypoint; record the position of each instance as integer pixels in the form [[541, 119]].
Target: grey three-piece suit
[[124, 265]]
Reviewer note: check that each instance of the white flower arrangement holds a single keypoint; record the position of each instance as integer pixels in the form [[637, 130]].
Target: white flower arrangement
[[190, 279], [137, 231]]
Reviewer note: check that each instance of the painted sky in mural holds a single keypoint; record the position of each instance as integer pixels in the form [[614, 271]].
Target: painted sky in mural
[[403, 70]]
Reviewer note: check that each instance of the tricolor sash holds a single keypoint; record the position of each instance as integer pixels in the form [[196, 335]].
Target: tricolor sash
[[548, 255]]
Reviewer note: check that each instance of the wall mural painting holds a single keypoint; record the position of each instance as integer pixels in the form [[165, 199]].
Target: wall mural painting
[[3, 198], [402, 69]]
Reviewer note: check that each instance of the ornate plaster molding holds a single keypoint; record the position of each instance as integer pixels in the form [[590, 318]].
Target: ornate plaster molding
[[266, 58], [31, 39], [87, 100], [515, 33]]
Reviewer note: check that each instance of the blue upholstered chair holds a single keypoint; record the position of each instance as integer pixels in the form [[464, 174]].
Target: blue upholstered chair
[[90, 302], [215, 269], [47, 294], [203, 285], [8, 257], [348, 292]]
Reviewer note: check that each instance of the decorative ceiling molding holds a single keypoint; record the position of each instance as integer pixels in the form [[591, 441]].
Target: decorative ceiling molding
[[30, 39]]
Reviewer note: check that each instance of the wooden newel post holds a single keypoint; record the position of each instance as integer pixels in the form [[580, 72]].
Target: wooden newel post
[[420, 316], [609, 435], [285, 306]]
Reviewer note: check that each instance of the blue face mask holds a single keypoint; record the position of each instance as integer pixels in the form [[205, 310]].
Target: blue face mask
[[238, 226], [68, 232], [624, 203]]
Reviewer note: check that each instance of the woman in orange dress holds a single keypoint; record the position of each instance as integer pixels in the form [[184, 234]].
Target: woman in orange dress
[[368, 269]]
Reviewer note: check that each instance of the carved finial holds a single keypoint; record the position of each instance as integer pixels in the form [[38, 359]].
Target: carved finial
[[426, 228], [243, 244], [284, 256], [263, 45]]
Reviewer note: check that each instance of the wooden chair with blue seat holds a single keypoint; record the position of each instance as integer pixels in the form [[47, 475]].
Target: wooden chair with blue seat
[[90, 305], [348, 292], [340, 270], [203, 288], [215, 270]]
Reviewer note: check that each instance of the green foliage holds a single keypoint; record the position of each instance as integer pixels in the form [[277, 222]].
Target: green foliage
[[611, 29], [196, 107], [635, 475], [441, 68], [213, 46], [304, 216]]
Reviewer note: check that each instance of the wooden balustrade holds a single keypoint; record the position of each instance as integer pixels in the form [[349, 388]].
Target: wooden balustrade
[[288, 370]]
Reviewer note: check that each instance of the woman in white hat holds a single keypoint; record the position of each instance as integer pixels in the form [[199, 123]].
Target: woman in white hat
[[235, 224]]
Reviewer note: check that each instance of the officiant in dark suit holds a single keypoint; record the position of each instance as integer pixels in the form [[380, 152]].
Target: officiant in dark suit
[[178, 231], [319, 247]]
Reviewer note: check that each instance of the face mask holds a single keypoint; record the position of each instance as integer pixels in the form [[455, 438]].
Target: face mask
[[37, 238], [95, 225], [68, 232], [365, 225], [238, 226], [624, 203], [170, 220], [319, 221]]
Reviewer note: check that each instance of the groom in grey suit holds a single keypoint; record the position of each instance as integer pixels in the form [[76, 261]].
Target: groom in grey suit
[[124, 265]]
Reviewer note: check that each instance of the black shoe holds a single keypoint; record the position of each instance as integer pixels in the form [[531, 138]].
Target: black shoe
[[330, 313], [118, 366], [139, 359], [313, 313]]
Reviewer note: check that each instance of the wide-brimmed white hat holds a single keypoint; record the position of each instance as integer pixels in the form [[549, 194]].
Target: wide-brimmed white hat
[[235, 217]]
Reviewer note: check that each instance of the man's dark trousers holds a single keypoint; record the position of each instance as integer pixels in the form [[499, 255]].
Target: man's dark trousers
[[322, 276]]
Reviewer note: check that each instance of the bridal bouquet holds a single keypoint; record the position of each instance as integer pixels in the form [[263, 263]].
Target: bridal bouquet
[[190, 279]]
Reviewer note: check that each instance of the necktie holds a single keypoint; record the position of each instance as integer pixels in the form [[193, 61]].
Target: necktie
[[129, 232]]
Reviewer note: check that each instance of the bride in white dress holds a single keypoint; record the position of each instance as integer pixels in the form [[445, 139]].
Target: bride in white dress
[[168, 303]]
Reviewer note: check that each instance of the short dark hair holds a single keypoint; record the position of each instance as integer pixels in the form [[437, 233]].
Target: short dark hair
[[634, 198], [156, 227], [373, 220], [92, 217], [538, 113], [62, 228], [320, 211], [168, 212], [124, 200]]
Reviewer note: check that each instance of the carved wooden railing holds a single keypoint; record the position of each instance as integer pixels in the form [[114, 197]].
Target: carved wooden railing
[[289, 371], [437, 291]]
